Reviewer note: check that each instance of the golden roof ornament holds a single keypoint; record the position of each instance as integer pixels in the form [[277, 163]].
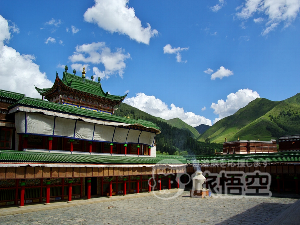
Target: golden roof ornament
[[83, 72]]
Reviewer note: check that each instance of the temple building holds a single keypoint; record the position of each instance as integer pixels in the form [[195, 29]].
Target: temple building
[[249, 147], [69, 144], [289, 143]]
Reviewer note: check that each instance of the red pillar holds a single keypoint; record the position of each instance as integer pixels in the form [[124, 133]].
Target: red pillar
[[111, 148], [178, 183], [22, 196], [90, 147], [50, 143], [48, 182], [125, 149], [169, 179], [149, 185], [159, 186], [149, 150], [25, 141], [89, 188], [71, 145], [70, 181], [124, 187], [138, 150], [138, 185], [110, 188]]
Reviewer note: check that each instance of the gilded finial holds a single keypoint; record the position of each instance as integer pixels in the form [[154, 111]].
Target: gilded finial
[[83, 72]]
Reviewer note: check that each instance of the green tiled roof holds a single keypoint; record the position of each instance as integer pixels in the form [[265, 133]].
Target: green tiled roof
[[42, 104], [284, 157], [11, 95], [83, 85], [20, 156]]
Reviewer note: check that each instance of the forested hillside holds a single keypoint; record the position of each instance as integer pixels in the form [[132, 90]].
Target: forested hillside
[[261, 119], [172, 139]]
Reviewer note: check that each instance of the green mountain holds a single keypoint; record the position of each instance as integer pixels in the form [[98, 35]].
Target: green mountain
[[202, 128], [261, 119], [176, 136], [176, 122]]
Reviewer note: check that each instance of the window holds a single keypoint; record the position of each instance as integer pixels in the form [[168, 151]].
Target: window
[[5, 138]]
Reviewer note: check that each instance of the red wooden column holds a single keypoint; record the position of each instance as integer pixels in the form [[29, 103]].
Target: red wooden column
[[296, 184], [138, 149], [124, 191], [70, 181], [71, 145], [110, 188], [48, 182], [89, 188], [22, 196], [178, 184], [125, 149], [90, 147], [149, 184], [169, 181], [25, 141], [159, 186], [138, 184], [149, 150], [50, 143], [111, 148]]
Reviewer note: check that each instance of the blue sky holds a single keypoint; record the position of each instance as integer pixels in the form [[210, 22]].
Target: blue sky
[[198, 60]]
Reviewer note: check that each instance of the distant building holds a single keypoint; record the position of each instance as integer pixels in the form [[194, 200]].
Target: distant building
[[249, 147], [289, 143]]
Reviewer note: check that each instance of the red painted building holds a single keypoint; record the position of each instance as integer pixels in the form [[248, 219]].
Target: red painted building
[[249, 147]]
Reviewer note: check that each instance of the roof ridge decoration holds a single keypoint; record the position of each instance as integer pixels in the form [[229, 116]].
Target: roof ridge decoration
[[80, 84]]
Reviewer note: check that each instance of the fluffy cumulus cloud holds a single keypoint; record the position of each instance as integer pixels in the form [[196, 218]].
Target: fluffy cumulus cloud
[[233, 103], [116, 16], [279, 11], [99, 53], [218, 6], [18, 72], [169, 50], [158, 108], [222, 72]]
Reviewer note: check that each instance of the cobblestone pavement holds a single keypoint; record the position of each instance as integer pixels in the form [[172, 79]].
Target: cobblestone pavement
[[151, 209]]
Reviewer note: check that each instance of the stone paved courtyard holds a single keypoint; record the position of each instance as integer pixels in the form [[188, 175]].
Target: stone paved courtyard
[[151, 209]]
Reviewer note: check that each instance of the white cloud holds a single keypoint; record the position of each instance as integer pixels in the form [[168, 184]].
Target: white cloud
[[50, 39], [277, 11], [14, 28], [217, 7], [222, 72], [116, 16], [74, 29], [258, 20], [158, 108], [208, 71], [169, 50], [98, 53], [233, 103], [203, 109], [18, 72], [53, 22], [61, 42]]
